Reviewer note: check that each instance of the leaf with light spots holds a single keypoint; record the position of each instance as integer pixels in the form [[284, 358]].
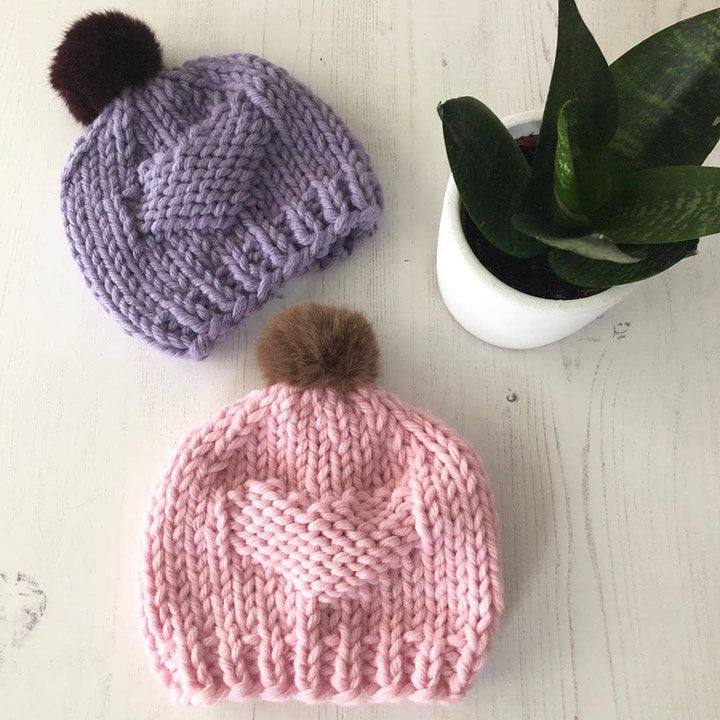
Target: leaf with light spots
[[668, 90], [665, 205], [584, 181], [580, 73]]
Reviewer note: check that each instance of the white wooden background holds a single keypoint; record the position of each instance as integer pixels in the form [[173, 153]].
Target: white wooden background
[[604, 449]]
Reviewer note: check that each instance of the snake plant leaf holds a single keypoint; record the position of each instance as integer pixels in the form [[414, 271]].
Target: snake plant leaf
[[668, 91], [580, 73], [585, 272], [665, 205], [489, 170], [592, 244], [568, 158], [584, 182]]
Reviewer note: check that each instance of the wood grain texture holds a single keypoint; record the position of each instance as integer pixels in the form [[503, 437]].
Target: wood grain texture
[[604, 449]]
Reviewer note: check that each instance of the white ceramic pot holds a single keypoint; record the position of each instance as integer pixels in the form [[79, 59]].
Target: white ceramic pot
[[492, 310]]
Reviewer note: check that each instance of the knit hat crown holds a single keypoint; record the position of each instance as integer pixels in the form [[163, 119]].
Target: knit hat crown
[[196, 192], [318, 543]]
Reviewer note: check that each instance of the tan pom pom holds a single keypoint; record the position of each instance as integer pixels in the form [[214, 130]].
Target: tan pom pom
[[313, 345]]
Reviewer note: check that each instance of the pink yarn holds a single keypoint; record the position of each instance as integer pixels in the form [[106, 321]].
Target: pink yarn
[[322, 547]]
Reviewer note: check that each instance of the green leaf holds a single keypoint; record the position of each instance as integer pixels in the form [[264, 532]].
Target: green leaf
[[665, 205], [668, 91], [580, 73], [590, 245], [588, 273], [567, 158], [584, 182], [489, 170]]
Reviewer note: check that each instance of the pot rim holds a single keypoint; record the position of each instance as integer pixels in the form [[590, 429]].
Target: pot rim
[[452, 200]]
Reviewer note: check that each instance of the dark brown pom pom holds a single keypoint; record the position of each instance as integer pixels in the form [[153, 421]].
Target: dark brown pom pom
[[100, 55], [313, 345]]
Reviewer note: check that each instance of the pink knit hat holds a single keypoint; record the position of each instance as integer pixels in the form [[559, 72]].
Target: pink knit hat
[[319, 539]]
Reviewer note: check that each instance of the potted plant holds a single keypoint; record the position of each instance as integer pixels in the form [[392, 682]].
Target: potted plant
[[548, 223]]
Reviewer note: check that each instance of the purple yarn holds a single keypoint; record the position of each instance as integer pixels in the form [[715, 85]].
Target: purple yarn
[[190, 201]]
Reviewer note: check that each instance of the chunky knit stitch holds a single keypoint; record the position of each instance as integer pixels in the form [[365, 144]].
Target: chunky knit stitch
[[321, 546], [191, 200]]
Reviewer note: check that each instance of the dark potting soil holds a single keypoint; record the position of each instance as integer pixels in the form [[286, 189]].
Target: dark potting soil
[[532, 276]]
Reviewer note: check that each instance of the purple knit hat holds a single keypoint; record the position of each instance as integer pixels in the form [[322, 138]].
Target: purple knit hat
[[194, 195]]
